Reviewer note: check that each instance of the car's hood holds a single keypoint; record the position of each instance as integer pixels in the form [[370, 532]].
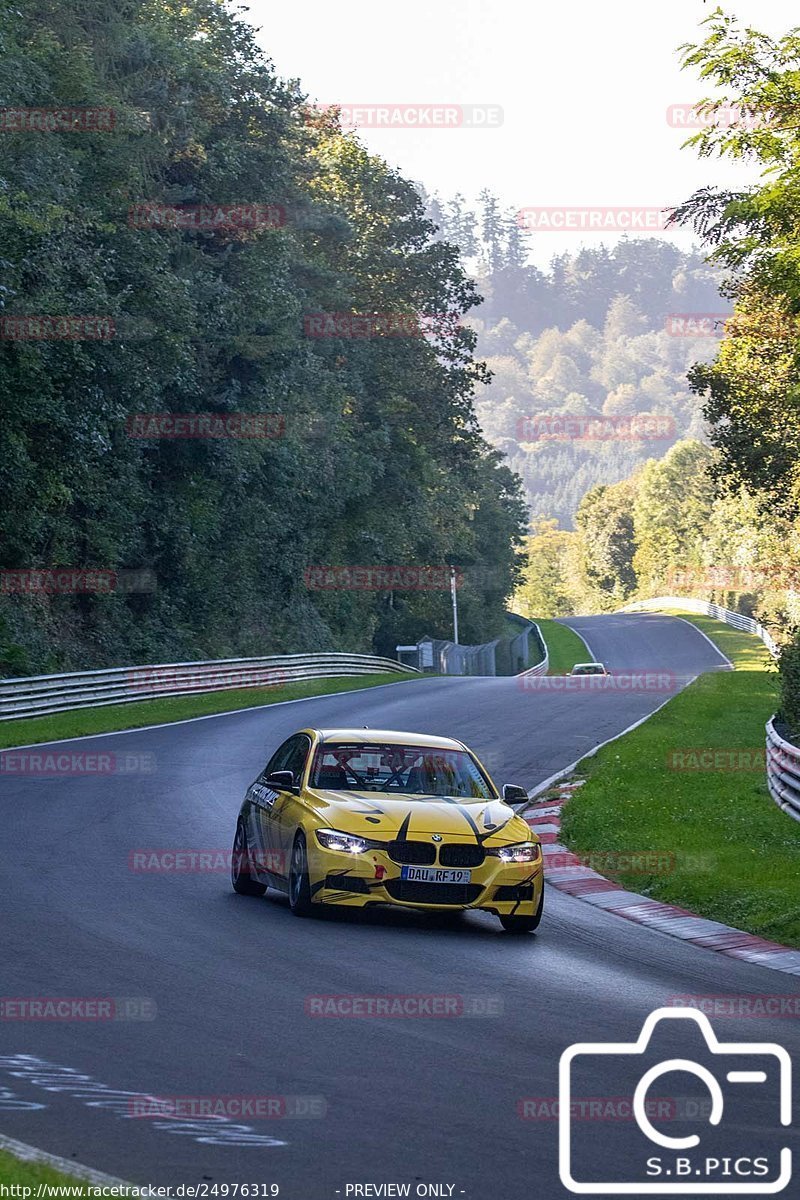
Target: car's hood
[[375, 815]]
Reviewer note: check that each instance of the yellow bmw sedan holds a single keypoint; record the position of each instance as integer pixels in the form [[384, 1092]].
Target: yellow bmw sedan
[[360, 816]]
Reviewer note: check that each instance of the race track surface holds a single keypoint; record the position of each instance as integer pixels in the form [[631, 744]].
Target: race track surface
[[227, 979]]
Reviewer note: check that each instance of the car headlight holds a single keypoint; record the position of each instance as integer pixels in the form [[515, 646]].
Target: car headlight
[[521, 852], [332, 839]]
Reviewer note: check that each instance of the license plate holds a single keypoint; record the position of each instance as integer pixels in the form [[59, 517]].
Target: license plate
[[434, 875]]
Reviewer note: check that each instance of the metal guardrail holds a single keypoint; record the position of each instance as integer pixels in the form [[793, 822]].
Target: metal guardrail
[[514, 652], [737, 620], [542, 667], [783, 771], [34, 695]]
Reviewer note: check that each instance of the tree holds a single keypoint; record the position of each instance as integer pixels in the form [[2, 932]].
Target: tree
[[605, 519], [752, 391], [671, 510], [380, 460], [543, 591], [623, 319]]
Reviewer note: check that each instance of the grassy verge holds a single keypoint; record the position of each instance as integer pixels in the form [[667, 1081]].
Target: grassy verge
[[29, 1174], [114, 717], [564, 646], [690, 785]]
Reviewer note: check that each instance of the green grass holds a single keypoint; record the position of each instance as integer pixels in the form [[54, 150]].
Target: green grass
[[15, 1171], [735, 857], [565, 647], [114, 717]]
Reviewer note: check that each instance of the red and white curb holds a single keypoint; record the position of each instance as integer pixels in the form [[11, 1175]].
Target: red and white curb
[[544, 817]]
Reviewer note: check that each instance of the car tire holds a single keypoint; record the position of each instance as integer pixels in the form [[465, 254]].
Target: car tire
[[242, 880], [524, 924], [299, 886]]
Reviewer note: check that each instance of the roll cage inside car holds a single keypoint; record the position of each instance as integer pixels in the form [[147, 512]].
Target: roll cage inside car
[[399, 769]]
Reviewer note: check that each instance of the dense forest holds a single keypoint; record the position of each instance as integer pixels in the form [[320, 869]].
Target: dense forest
[[667, 530], [606, 334], [182, 234]]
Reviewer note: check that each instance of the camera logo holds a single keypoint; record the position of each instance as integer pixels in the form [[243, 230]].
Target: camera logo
[[716, 1163]]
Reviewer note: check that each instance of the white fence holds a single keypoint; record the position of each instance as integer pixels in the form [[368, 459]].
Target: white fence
[[34, 695], [746, 624], [783, 771]]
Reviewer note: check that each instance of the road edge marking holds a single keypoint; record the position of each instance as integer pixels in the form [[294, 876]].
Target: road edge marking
[[67, 1166], [554, 778], [697, 629], [589, 650]]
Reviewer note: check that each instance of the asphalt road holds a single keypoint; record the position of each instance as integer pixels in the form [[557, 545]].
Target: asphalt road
[[226, 980]]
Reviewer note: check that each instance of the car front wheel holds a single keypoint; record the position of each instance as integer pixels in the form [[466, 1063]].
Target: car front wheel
[[299, 886], [242, 880]]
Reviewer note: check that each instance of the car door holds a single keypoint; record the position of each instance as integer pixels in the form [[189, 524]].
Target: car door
[[268, 806], [261, 837], [287, 810]]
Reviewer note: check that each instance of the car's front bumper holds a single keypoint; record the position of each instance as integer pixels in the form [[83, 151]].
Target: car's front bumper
[[374, 878]]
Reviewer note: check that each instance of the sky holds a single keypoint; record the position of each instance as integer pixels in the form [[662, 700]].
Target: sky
[[574, 95]]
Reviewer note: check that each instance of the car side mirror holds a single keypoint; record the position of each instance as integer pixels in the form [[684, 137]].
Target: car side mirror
[[514, 794], [281, 781]]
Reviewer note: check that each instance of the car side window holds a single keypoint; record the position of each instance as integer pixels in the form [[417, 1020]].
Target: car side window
[[297, 759], [290, 756], [276, 763]]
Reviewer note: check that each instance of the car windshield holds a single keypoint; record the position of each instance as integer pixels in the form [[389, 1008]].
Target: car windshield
[[397, 769], [589, 669]]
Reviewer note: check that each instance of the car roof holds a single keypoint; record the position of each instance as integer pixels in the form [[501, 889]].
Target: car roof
[[588, 664], [392, 737]]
